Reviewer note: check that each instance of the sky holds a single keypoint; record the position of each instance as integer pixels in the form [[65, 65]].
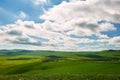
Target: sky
[[60, 25]]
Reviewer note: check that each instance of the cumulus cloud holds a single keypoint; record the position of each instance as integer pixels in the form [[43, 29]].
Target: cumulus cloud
[[26, 41], [81, 19], [115, 40]]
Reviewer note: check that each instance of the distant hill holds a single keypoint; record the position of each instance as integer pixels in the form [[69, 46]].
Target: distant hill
[[45, 52]]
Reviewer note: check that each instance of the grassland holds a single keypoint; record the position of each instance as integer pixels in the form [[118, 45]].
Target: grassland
[[53, 65]]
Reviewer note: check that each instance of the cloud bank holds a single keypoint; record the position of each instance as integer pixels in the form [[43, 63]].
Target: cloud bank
[[78, 25]]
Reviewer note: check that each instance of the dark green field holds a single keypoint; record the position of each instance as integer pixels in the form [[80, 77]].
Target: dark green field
[[53, 65]]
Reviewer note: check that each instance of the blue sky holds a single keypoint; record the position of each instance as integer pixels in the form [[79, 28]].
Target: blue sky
[[78, 25], [9, 10]]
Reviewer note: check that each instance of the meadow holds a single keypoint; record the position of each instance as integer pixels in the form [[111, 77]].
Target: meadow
[[58, 65]]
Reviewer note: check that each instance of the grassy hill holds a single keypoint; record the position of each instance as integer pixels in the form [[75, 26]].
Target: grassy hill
[[103, 65]]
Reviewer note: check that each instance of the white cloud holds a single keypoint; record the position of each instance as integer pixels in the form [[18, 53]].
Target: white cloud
[[115, 40], [37, 2], [22, 15], [82, 17], [78, 17]]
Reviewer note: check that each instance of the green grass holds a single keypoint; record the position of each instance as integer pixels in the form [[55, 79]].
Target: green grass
[[51, 65], [61, 77], [64, 67]]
